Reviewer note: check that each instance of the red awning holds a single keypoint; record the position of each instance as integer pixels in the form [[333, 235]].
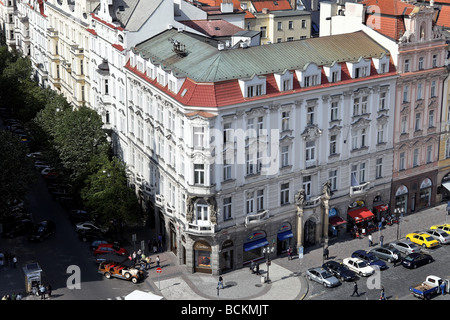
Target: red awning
[[336, 221], [381, 207], [361, 214]]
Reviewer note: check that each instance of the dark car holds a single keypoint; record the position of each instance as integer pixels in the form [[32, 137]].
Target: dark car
[[17, 228], [78, 215], [414, 260], [42, 230], [369, 258], [91, 234], [339, 270]]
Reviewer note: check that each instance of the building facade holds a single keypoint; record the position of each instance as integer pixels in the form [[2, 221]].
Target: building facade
[[223, 149]]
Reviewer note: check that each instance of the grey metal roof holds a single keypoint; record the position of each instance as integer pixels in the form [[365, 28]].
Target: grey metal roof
[[203, 62], [132, 14]]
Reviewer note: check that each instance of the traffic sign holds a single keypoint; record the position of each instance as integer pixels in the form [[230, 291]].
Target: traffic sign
[[159, 270]]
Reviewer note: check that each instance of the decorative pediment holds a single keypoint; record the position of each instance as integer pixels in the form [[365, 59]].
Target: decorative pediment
[[382, 119], [361, 123], [311, 133]]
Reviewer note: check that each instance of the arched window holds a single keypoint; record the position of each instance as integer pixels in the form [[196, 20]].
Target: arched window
[[422, 31]]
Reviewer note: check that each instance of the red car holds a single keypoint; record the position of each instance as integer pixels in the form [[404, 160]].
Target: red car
[[110, 248]]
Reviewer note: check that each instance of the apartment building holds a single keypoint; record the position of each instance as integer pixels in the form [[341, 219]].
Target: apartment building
[[418, 50], [223, 140]]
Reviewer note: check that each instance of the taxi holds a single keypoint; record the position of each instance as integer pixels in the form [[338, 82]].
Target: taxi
[[444, 227], [422, 239]]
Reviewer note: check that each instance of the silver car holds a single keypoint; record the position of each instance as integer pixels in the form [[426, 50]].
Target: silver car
[[439, 235], [322, 276], [389, 254], [404, 246]]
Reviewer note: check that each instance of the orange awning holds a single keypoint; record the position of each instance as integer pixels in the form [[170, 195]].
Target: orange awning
[[360, 214]]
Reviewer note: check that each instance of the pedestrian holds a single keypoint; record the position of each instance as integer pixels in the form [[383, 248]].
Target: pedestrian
[[134, 256], [154, 244], [220, 282], [139, 253], [355, 289], [252, 266], [14, 260], [157, 261], [382, 295], [326, 252], [49, 290], [381, 240], [257, 268], [148, 260], [289, 253], [370, 240], [42, 292], [442, 288]]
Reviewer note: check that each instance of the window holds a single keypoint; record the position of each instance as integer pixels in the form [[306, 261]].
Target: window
[[379, 168], [403, 124], [250, 203], [199, 174], [335, 76], [419, 91], [284, 193], [303, 24], [289, 39], [310, 81], [291, 25], [286, 85], [361, 72], [285, 120], [405, 93], [227, 132], [434, 63], [355, 106], [307, 186], [333, 145], [362, 173], [354, 139], [106, 86], [417, 123], [251, 133], [263, 31], [364, 108], [332, 177], [227, 208], [420, 63], [198, 137], [250, 162], [415, 157], [353, 175], [380, 133], [363, 138], [334, 111], [226, 170], [447, 148], [382, 105], [429, 153], [433, 88], [310, 154], [310, 115], [260, 126], [406, 65], [280, 26], [202, 212], [401, 161], [284, 156], [431, 119], [260, 200], [255, 90]]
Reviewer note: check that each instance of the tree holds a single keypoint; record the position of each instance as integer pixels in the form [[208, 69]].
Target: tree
[[17, 171], [107, 194]]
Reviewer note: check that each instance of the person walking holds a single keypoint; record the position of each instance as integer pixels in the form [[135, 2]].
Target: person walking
[[381, 240], [49, 290], [355, 289], [289, 253], [370, 240], [326, 252], [14, 260], [220, 284], [42, 292], [157, 261], [442, 286], [382, 295]]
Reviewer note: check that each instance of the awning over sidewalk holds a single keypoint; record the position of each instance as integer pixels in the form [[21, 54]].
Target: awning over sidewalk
[[361, 214], [285, 235], [255, 244], [446, 185], [381, 207], [336, 221]]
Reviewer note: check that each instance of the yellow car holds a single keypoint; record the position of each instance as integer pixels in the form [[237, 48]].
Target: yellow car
[[422, 239], [443, 227]]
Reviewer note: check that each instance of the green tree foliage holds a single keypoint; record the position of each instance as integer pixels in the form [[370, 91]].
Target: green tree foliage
[[107, 194], [17, 171]]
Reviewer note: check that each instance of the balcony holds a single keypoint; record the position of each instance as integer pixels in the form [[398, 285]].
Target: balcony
[[310, 163], [170, 210], [314, 202], [159, 200], [200, 229], [360, 189], [255, 218]]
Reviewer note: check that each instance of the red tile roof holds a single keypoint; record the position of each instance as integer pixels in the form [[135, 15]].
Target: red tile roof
[[444, 16], [390, 7], [274, 5], [213, 28]]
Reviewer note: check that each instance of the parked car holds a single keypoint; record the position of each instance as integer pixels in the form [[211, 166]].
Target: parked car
[[35, 155], [443, 227], [339, 270], [90, 235], [17, 228], [422, 239], [121, 271], [46, 170], [359, 266], [414, 260], [42, 230], [386, 253], [40, 165], [370, 258], [95, 243], [78, 215], [87, 225], [439, 235], [404, 246], [430, 287], [322, 276], [110, 248]]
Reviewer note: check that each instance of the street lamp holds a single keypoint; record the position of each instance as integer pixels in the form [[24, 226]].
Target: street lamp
[[398, 213], [267, 251]]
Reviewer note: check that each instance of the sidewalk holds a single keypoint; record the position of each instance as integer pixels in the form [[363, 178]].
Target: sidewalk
[[287, 276]]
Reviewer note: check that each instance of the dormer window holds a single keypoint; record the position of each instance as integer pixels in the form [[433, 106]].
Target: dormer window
[[254, 87], [361, 72], [333, 72], [284, 81], [381, 64], [359, 69], [310, 75]]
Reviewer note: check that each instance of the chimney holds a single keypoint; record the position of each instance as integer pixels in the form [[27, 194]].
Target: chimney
[[265, 10], [226, 6]]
